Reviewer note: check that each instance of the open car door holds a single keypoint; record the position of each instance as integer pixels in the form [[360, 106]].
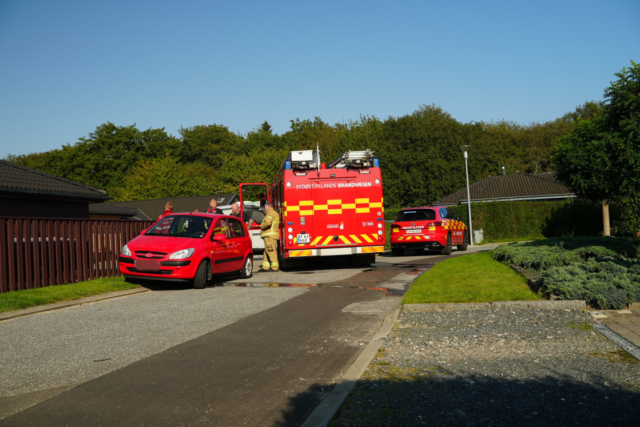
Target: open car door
[[253, 196]]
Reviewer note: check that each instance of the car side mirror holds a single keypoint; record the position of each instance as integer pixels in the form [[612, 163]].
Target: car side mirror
[[219, 238], [459, 218]]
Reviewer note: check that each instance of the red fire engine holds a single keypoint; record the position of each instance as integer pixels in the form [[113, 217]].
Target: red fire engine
[[329, 211]]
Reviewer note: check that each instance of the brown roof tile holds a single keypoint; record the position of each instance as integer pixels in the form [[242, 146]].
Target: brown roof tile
[[513, 186], [16, 179]]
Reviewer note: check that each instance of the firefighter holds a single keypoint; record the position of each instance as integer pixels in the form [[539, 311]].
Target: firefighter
[[270, 233], [213, 207]]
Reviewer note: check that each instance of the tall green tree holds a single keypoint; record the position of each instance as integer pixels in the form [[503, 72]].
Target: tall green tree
[[103, 158], [600, 158], [166, 177]]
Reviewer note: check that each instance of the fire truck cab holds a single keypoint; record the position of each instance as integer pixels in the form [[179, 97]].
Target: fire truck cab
[[334, 210]]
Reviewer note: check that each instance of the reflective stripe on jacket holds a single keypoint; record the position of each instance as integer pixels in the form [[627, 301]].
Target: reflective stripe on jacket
[[270, 226]]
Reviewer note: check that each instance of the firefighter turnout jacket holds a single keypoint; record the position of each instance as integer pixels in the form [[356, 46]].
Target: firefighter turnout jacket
[[270, 226]]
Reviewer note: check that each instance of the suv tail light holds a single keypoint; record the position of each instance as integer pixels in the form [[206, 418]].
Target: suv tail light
[[435, 224], [395, 228]]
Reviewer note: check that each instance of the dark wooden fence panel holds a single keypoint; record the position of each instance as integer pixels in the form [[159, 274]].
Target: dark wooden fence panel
[[39, 252]]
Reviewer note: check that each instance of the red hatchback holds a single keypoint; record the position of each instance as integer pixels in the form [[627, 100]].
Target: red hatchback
[[427, 227], [189, 247]]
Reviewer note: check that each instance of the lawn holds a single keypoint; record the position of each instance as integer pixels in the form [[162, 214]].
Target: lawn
[[19, 300], [469, 278]]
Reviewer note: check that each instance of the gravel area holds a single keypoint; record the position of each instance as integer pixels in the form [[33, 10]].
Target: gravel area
[[496, 368], [83, 342]]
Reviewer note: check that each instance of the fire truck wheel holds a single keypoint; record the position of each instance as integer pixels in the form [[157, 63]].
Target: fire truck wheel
[[464, 245], [200, 281], [247, 268], [397, 252], [447, 249]]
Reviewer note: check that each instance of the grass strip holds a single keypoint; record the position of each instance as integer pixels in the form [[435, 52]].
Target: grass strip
[[19, 300], [469, 278]]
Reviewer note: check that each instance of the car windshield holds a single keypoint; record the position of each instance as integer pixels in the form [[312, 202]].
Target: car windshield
[[194, 227], [417, 215]]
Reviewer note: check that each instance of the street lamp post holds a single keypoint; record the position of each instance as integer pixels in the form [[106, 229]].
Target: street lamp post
[[465, 149]]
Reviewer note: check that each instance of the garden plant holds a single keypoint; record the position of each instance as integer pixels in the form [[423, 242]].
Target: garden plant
[[603, 271]]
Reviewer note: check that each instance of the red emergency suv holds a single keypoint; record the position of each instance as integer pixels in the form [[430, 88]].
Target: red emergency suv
[[427, 227], [189, 247]]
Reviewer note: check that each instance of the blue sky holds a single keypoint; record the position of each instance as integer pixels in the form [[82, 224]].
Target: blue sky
[[67, 67]]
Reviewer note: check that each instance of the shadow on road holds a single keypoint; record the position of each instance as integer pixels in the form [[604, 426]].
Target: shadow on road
[[476, 401]]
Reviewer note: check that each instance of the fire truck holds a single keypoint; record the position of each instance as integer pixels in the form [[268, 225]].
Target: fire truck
[[326, 210]]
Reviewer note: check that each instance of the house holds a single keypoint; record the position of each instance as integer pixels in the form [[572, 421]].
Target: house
[[149, 210], [513, 187], [28, 192]]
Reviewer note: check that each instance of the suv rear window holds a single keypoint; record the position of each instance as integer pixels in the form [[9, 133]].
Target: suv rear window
[[417, 215]]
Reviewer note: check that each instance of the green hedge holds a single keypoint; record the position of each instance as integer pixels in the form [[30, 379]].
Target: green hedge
[[603, 271]]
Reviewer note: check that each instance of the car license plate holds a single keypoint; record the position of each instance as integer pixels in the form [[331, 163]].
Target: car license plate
[[147, 265], [304, 238], [414, 231]]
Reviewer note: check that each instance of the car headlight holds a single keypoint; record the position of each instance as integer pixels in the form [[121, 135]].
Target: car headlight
[[185, 253], [125, 251]]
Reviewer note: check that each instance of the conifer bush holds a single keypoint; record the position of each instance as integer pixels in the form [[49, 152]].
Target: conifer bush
[[605, 272]]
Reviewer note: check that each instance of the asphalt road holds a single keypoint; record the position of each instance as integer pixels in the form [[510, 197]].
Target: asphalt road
[[233, 356]]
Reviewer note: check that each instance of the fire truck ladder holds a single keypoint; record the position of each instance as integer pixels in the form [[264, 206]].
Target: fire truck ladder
[[354, 159]]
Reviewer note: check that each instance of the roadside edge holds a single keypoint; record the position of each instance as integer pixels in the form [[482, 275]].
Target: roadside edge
[[505, 305], [64, 304], [325, 411]]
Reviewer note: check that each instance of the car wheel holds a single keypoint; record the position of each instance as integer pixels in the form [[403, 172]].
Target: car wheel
[[397, 252], [447, 249], [464, 245], [247, 268], [200, 281]]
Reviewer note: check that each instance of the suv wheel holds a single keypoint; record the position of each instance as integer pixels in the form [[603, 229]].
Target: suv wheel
[[464, 245], [447, 249], [247, 268], [200, 281]]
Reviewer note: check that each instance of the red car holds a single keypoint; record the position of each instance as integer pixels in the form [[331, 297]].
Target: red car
[[427, 227], [189, 247]]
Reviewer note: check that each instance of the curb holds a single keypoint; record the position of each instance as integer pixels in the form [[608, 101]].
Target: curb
[[621, 342], [504, 305], [325, 411], [64, 304]]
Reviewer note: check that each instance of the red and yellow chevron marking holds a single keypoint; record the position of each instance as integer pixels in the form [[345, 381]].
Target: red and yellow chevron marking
[[453, 224], [300, 253], [333, 207], [352, 239], [369, 249], [414, 238]]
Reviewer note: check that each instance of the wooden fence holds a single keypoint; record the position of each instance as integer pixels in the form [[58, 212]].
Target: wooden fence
[[38, 252]]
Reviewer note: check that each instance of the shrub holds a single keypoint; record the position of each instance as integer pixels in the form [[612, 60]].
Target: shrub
[[605, 272]]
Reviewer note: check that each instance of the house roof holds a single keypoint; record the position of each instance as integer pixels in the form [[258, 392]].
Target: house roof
[[111, 209], [516, 186], [20, 180], [150, 210]]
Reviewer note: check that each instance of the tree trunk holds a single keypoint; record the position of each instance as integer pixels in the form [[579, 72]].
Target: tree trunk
[[605, 218]]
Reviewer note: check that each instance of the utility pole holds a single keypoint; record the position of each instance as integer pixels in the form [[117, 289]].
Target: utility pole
[[465, 149]]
